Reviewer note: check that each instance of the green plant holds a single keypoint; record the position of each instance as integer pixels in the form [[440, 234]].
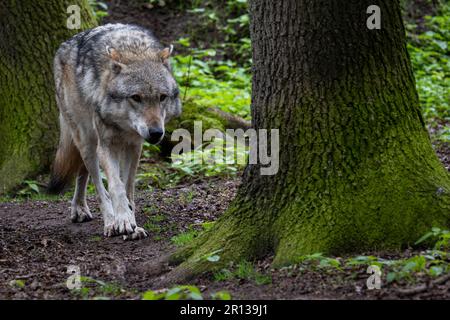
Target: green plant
[[433, 262], [215, 159], [221, 295], [404, 269], [96, 238], [153, 228], [320, 261], [223, 275], [429, 50], [153, 223], [184, 238], [231, 20], [441, 238], [213, 83], [188, 196], [193, 231], [156, 175], [185, 292], [17, 283], [97, 289], [369, 260], [245, 271], [99, 9], [30, 188]]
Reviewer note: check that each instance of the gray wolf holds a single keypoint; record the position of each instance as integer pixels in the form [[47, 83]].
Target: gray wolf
[[114, 89]]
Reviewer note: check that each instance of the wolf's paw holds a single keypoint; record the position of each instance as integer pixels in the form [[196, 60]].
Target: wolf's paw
[[123, 224], [139, 233], [80, 214]]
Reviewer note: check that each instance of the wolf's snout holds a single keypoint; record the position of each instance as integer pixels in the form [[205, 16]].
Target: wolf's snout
[[155, 135]]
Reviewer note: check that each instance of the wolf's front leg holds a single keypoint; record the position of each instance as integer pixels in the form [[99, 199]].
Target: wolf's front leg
[[80, 210], [124, 219], [88, 151], [129, 161]]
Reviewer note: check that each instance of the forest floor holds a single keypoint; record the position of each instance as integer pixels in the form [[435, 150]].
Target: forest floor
[[38, 243]]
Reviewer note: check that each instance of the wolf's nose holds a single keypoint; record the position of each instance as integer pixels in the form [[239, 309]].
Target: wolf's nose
[[154, 135]]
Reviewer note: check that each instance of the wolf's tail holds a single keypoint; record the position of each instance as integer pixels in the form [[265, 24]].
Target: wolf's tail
[[67, 162]]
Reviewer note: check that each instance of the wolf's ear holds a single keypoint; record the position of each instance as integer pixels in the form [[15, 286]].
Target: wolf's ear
[[165, 53], [115, 57]]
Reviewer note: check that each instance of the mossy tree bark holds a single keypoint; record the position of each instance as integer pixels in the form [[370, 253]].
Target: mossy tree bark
[[31, 32], [357, 169]]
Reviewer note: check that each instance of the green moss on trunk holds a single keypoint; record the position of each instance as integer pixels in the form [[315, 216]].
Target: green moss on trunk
[[31, 34], [193, 112]]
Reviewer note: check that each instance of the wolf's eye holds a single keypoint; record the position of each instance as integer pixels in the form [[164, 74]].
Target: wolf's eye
[[162, 97], [136, 97]]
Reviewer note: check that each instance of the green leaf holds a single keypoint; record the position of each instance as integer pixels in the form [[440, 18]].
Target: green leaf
[[436, 271], [213, 258], [195, 296], [221, 295], [424, 237], [17, 283], [442, 44], [391, 276], [34, 187], [151, 295]]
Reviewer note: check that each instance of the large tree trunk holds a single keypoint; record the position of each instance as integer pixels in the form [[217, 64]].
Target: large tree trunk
[[357, 169], [31, 32]]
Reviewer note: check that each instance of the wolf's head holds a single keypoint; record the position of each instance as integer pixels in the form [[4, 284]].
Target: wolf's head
[[142, 94]]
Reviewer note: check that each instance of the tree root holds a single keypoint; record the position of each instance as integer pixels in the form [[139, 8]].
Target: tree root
[[424, 287], [229, 240], [152, 267], [232, 121]]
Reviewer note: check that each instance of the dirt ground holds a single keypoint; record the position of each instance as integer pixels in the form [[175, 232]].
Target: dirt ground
[[38, 243]]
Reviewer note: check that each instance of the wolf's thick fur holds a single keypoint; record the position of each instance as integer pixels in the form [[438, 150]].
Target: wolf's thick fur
[[114, 88], [67, 162]]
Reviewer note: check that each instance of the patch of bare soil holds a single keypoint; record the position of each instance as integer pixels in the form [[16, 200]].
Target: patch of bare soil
[[38, 242], [441, 148], [168, 23]]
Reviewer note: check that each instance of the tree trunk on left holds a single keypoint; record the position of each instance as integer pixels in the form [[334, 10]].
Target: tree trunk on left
[[31, 33]]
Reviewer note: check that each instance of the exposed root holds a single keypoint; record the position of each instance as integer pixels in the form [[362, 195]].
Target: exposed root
[[183, 253], [215, 249], [152, 267], [184, 273], [424, 287]]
